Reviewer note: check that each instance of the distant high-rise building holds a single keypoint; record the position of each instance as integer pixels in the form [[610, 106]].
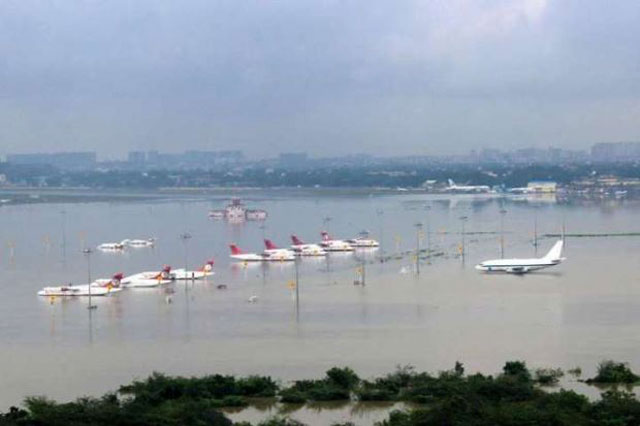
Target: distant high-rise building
[[62, 160], [615, 151], [137, 157], [292, 159]]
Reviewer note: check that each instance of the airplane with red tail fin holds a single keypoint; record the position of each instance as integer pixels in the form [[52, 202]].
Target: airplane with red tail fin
[[329, 244], [148, 279], [203, 272], [302, 249]]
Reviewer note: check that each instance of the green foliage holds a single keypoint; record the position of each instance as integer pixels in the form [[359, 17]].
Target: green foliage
[[614, 372], [450, 398], [343, 378], [517, 369], [158, 388], [336, 386], [548, 376], [257, 386], [616, 408], [576, 371], [293, 396]]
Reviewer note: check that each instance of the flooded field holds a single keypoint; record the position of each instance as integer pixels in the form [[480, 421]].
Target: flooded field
[[575, 314]]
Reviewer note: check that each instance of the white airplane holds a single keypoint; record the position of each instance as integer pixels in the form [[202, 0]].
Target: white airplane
[[329, 244], [467, 189], [148, 279], [522, 266], [111, 247], [238, 254], [266, 256], [302, 249], [362, 241], [109, 283], [100, 287], [203, 272], [137, 243], [272, 251]]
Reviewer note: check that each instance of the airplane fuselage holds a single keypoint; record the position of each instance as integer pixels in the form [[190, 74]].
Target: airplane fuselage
[[308, 250], [515, 266], [522, 266]]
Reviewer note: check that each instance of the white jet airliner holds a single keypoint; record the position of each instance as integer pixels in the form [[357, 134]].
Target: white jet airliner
[[467, 189], [522, 266]]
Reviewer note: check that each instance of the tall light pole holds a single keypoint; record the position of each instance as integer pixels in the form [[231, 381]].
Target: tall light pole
[[502, 213], [87, 251], [185, 237], [325, 222], [418, 232], [463, 219], [535, 231], [297, 276], [64, 235], [380, 214], [427, 208]]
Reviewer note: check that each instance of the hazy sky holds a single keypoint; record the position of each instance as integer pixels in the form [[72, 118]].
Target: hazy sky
[[325, 76]]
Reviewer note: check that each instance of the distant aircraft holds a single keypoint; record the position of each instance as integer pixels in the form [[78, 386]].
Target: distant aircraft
[[272, 251], [467, 189], [269, 255], [238, 254], [303, 249], [329, 244], [522, 266]]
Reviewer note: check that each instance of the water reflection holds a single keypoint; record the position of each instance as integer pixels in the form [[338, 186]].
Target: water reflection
[[573, 315]]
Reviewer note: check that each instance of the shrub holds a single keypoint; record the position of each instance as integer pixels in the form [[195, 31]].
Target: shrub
[[258, 386], [344, 378], [293, 396], [517, 369], [576, 371], [614, 372], [233, 401], [548, 376]]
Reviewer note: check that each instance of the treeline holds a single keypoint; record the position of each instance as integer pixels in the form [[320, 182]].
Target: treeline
[[363, 176], [512, 398]]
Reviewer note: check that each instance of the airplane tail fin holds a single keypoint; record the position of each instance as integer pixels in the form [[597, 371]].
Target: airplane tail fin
[[235, 249], [451, 182], [164, 274], [207, 267], [296, 241], [269, 245], [556, 251]]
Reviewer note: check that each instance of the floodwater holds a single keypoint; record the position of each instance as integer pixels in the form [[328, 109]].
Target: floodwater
[[576, 314]]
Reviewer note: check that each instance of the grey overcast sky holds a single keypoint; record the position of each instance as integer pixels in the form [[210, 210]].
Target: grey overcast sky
[[390, 77]]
